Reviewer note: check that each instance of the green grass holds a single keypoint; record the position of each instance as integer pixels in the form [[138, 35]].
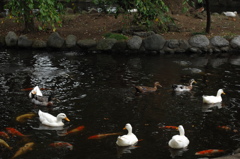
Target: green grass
[[115, 36]]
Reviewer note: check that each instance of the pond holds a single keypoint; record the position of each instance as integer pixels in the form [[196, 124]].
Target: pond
[[97, 91]]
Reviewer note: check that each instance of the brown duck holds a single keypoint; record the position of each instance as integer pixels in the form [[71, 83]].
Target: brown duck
[[143, 89]]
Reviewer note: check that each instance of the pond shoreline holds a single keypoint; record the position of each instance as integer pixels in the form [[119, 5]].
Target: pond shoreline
[[142, 42]]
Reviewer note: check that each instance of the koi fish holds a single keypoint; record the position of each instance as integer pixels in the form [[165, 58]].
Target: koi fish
[[227, 128], [3, 134], [22, 150], [2, 142], [209, 152], [80, 128], [100, 136], [14, 132], [59, 144], [24, 117], [169, 127]]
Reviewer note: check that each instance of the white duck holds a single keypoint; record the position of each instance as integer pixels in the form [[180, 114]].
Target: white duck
[[179, 141], [35, 91], [213, 99], [50, 120], [181, 88], [230, 14], [129, 139]]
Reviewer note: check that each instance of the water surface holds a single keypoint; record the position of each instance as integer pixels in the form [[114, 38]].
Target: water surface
[[96, 90]]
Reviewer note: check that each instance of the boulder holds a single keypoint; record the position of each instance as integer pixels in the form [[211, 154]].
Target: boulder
[[173, 43], [106, 44], [235, 42], [39, 44], [24, 42], [219, 41], [119, 46], [2, 41], [71, 41], [134, 43], [199, 41], [55, 41], [87, 43], [11, 39], [154, 42]]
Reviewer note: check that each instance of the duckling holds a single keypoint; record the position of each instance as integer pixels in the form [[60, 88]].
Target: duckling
[[143, 89], [180, 88]]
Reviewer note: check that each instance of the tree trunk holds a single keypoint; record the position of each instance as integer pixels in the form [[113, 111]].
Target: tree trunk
[[208, 17], [28, 19]]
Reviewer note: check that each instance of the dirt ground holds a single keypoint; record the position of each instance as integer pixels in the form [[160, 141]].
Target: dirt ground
[[94, 25]]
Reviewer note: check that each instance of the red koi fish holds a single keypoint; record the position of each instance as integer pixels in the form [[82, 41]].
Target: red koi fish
[[100, 136], [59, 144], [80, 128], [209, 152], [3, 134], [14, 132], [169, 127]]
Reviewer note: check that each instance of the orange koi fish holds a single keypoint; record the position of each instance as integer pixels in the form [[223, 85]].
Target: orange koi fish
[[224, 127], [59, 144], [169, 127], [22, 150], [100, 136], [3, 134], [209, 152], [80, 128], [2, 142], [14, 132]]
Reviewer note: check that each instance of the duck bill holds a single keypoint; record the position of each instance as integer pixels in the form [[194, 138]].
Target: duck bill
[[223, 93], [66, 119]]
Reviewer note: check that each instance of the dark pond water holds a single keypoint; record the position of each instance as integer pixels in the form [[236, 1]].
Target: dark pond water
[[96, 90]]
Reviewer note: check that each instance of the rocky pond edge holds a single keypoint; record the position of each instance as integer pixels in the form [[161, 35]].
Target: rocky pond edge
[[146, 42]]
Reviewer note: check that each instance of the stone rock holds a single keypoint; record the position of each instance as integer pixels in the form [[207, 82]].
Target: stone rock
[[39, 44], [55, 41], [134, 43], [195, 50], [106, 44], [23, 41], [120, 46], [143, 34], [71, 41], [11, 39], [173, 43], [154, 42], [87, 43], [219, 41], [2, 41], [199, 41], [235, 42], [184, 45]]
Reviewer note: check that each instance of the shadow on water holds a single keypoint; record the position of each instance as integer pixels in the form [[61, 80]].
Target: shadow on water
[[96, 90]]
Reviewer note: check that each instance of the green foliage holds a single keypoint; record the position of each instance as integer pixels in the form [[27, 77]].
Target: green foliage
[[48, 15], [149, 12], [115, 36]]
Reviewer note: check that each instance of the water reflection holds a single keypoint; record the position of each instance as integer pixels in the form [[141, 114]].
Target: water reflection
[[97, 91]]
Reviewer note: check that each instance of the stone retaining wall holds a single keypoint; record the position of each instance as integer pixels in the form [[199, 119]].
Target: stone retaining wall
[[153, 43]]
